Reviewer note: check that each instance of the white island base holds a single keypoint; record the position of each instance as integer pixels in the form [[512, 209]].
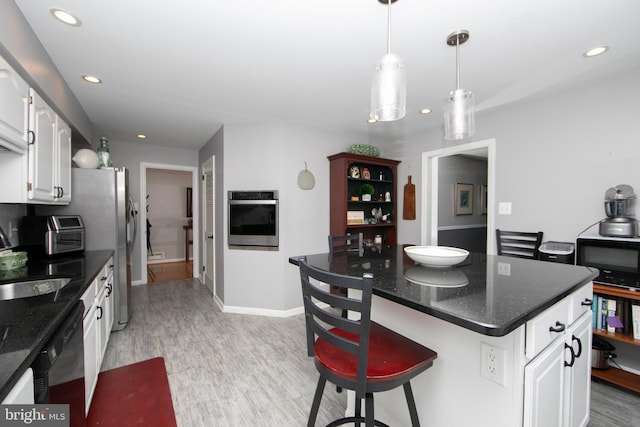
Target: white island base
[[524, 381]]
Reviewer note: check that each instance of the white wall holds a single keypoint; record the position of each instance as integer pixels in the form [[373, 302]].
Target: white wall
[[167, 201], [269, 156], [556, 154]]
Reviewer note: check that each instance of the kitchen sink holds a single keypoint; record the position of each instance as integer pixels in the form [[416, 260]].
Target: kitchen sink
[[32, 288]]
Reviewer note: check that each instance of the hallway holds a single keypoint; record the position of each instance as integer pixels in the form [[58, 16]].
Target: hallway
[[162, 272]]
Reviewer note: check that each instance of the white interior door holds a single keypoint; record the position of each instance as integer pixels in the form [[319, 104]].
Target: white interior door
[[208, 206]]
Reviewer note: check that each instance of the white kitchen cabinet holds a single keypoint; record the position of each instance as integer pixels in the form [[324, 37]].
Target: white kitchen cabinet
[[91, 369], [97, 323], [14, 128], [557, 381], [62, 173], [49, 154], [578, 378], [37, 166], [14, 109]]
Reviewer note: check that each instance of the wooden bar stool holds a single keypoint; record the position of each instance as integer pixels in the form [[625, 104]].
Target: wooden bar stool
[[358, 355]]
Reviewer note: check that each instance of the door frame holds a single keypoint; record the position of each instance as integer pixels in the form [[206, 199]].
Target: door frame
[[209, 164], [430, 184], [143, 214]]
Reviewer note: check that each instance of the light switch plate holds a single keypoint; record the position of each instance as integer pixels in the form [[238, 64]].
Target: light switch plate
[[504, 208]]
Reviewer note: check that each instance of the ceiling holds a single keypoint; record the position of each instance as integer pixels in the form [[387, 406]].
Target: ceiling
[[178, 70]]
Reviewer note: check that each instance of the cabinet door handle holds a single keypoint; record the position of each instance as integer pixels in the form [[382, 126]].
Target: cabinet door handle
[[559, 327], [573, 356], [101, 313], [586, 302], [31, 137], [579, 352], [103, 278], [109, 289]]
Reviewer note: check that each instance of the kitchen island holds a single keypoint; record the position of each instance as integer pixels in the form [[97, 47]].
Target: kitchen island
[[499, 325], [28, 323]]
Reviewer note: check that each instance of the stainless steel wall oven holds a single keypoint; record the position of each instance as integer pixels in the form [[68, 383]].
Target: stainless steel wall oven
[[253, 218]]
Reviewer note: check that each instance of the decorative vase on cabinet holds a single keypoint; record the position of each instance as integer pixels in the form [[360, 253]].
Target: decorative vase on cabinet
[[345, 196]]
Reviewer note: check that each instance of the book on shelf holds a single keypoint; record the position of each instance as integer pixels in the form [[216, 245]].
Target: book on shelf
[[635, 314], [616, 315]]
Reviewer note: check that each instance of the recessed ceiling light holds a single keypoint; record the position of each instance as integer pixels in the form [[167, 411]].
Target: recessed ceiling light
[[372, 121], [66, 17], [92, 79], [598, 50], [425, 111], [141, 136]]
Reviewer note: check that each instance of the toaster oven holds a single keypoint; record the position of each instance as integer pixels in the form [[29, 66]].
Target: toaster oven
[[53, 234]]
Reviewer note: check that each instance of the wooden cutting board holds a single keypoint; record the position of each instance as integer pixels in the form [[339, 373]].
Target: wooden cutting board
[[409, 208]]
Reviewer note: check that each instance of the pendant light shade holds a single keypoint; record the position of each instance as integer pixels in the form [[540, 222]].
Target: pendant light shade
[[459, 107], [389, 83], [389, 89]]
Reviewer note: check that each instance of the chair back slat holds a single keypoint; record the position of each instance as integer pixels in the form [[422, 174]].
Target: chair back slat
[[323, 319], [345, 243], [519, 244]]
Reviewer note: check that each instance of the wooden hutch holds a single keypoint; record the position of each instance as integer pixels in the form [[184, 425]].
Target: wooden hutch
[[346, 198]]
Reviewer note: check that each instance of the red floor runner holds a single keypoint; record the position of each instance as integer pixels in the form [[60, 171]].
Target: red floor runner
[[133, 395]]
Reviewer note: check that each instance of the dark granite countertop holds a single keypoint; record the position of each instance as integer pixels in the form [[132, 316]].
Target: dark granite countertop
[[27, 324], [488, 294]]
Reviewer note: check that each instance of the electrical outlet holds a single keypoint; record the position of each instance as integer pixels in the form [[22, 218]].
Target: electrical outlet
[[10, 232], [493, 363], [504, 208]]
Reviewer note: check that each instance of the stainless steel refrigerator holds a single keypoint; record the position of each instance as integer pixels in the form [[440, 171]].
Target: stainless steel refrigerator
[[101, 198]]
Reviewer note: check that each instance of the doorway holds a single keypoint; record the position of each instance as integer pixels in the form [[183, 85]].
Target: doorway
[[208, 215], [176, 232], [430, 182]]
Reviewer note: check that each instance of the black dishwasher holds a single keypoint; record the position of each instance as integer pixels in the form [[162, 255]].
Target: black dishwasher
[[59, 368]]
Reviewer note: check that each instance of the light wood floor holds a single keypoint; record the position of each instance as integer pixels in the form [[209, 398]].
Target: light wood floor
[[235, 370], [163, 272]]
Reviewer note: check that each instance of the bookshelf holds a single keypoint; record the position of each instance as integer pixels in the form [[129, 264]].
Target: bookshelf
[[614, 375]]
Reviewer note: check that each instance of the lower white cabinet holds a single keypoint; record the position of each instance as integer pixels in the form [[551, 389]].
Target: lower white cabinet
[[91, 363], [557, 380], [98, 318]]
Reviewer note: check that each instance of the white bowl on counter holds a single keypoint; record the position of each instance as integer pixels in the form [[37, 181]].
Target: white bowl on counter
[[436, 256]]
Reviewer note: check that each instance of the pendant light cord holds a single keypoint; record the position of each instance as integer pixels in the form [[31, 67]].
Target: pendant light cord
[[458, 63], [389, 26]]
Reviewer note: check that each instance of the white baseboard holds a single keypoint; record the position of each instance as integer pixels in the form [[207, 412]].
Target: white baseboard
[[164, 261], [261, 311]]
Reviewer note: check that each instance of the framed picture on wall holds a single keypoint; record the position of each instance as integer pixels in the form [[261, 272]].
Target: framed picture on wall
[[189, 202], [464, 199], [483, 199]]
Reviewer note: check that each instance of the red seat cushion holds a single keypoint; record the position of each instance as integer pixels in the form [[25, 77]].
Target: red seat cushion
[[391, 355]]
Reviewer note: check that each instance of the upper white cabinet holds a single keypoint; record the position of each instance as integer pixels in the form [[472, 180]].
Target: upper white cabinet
[[49, 154], [35, 145], [42, 126], [14, 107], [62, 177]]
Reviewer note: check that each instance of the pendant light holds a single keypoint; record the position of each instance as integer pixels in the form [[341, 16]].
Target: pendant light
[[389, 84], [459, 108]]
